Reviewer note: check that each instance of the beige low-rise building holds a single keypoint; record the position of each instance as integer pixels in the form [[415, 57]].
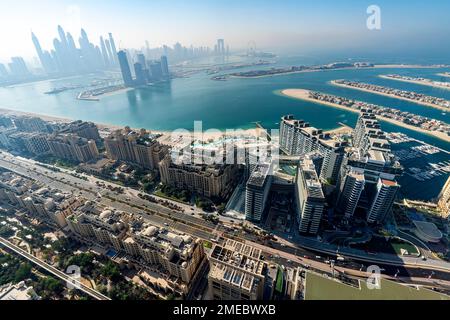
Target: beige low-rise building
[[215, 180], [135, 147]]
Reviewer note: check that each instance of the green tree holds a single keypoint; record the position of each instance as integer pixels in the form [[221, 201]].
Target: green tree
[[23, 272]]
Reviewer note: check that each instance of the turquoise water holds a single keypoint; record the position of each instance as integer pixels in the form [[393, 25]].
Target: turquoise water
[[221, 104], [236, 103]]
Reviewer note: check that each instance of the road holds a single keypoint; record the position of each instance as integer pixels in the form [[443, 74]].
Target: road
[[54, 271], [184, 222]]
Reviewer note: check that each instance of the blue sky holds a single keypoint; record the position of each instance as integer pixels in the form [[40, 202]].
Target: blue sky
[[283, 24]]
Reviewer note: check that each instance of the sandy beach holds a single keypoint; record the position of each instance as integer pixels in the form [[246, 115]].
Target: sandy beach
[[444, 74], [423, 83], [105, 129], [341, 130], [390, 96], [304, 95], [377, 66], [407, 66]]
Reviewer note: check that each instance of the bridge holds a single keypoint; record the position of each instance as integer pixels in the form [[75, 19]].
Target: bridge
[[54, 271]]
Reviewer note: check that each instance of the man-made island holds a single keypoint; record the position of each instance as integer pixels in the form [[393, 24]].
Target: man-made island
[[299, 69], [444, 74], [327, 67], [436, 128], [410, 96], [421, 81]]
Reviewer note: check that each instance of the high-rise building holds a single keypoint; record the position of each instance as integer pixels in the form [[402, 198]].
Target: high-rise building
[[444, 199], [350, 191], [44, 58], [371, 156], [18, 67], [62, 37], [73, 148], [3, 72], [156, 70], [208, 180], [367, 126], [87, 130], [220, 47], [104, 52], [237, 272], [141, 59], [310, 200], [141, 78], [125, 68], [110, 54], [257, 192], [30, 124], [113, 48], [383, 201], [298, 138], [165, 66], [134, 147]]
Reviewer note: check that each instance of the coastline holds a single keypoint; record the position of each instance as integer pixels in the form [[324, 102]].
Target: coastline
[[426, 104], [103, 95], [443, 75], [105, 129], [302, 94], [377, 66], [423, 83]]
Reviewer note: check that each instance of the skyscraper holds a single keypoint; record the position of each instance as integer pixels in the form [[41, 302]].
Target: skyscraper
[[3, 71], [257, 192], [125, 68], [309, 197], [371, 156], [350, 192], [141, 78], [383, 201], [164, 66], [18, 67], [104, 52], [444, 197], [141, 60], [43, 58], [108, 49], [62, 38], [156, 70], [298, 138], [113, 48], [220, 47]]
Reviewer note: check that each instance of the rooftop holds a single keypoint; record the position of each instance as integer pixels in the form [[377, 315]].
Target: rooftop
[[259, 175]]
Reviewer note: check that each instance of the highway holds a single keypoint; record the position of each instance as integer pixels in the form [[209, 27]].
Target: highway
[[185, 222], [54, 271]]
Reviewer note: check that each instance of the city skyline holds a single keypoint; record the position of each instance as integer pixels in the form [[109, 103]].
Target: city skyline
[[256, 150], [294, 24]]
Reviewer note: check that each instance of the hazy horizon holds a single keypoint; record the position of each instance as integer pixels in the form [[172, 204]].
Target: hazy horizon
[[291, 26]]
